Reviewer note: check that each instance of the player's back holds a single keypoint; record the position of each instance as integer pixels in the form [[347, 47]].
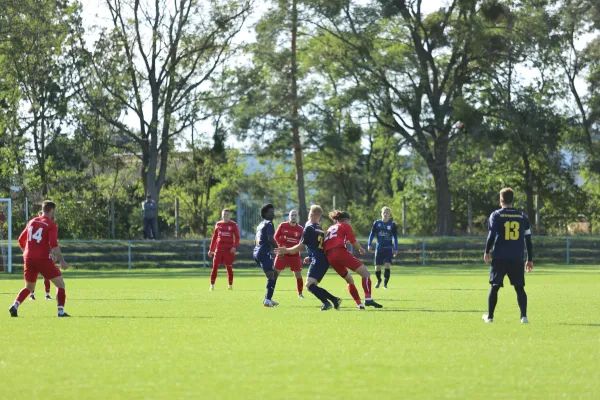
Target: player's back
[[385, 233], [509, 227], [313, 238], [264, 230], [337, 236], [38, 238]]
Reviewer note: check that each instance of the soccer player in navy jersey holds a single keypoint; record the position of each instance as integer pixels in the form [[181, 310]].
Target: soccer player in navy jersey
[[386, 234], [509, 233], [312, 239], [263, 251]]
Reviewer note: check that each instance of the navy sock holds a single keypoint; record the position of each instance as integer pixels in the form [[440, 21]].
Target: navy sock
[[492, 301], [522, 299], [318, 292], [270, 288], [386, 275], [378, 275]]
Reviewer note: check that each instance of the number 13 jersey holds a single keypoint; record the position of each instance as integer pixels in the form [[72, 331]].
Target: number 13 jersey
[[337, 235], [39, 236], [508, 227]]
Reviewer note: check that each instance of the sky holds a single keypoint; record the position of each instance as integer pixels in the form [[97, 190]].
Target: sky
[[95, 12]]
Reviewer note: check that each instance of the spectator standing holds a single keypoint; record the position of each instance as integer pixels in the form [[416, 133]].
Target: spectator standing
[[150, 212]]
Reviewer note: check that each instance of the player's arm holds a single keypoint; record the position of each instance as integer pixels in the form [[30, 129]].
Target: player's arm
[[54, 248], [490, 238], [395, 235], [236, 238], [371, 236], [271, 235], [352, 239], [213, 241], [285, 250], [23, 237], [529, 246]]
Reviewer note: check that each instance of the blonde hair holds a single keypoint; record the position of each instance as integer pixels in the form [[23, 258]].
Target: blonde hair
[[316, 210], [386, 208]]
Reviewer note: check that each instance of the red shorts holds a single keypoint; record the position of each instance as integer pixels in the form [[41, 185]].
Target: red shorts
[[294, 262], [33, 267], [340, 259], [225, 257]]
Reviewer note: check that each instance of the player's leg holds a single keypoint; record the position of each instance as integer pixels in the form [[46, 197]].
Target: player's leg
[[32, 294], [366, 282], [30, 275], [516, 275], [352, 289], [61, 295], [265, 261], [295, 264], [497, 273], [387, 274], [47, 289], [377, 268], [335, 261], [229, 260], [215, 269]]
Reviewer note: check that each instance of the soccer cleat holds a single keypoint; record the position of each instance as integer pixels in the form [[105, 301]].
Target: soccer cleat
[[300, 296], [13, 311], [524, 320], [212, 288], [63, 315], [337, 302], [385, 287], [32, 296], [372, 303], [377, 284], [230, 287], [275, 304], [326, 306], [361, 307], [486, 319], [268, 303], [48, 297]]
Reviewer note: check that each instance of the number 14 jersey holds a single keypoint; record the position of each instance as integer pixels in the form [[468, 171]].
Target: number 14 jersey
[[39, 236]]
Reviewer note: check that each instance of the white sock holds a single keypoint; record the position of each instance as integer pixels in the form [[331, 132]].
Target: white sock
[[61, 310], [16, 305], [368, 298], [47, 293]]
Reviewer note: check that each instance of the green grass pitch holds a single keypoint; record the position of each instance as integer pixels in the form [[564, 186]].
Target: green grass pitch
[[160, 334]]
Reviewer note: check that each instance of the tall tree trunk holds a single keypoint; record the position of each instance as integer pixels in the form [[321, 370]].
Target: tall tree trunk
[[295, 123], [439, 170], [529, 181]]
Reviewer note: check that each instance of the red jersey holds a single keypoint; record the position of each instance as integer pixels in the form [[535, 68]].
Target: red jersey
[[225, 237], [337, 235], [38, 238], [288, 235]]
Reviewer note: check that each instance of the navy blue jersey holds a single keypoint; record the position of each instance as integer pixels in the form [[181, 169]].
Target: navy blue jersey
[[385, 233], [264, 231], [508, 228], [313, 238]]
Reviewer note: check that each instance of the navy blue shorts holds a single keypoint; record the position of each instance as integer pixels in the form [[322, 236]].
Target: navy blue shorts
[[318, 268], [264, 259], [515, 269], [384, 256]]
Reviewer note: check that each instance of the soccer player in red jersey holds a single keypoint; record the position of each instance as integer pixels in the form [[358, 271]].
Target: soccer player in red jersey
[[224, 243], [341, 259], [39, 237], [288, 234]]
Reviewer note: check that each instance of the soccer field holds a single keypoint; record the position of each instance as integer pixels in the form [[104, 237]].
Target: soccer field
[[160, 334]]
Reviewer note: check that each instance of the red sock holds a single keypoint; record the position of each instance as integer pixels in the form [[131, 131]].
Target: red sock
[[47, 285], [22, 295], [299, 285], [213, 274], [61, 297], [367, 287], [354, 293], [230, 273]]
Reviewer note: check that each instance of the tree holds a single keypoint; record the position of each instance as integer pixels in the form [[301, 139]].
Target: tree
[[156, 62], [410, 69]]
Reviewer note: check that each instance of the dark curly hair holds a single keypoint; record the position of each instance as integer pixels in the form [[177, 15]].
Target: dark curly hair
[[265, 208], [338, 215]]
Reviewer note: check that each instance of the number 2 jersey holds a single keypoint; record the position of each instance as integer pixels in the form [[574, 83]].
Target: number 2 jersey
[[337, 236], [313, 238], [38, 238], [508, 228]]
